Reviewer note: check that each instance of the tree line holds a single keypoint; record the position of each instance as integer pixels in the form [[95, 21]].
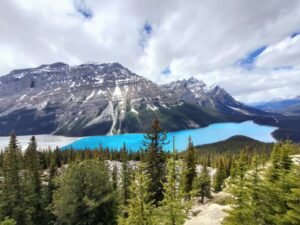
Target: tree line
[[78, 187], [83, 187]]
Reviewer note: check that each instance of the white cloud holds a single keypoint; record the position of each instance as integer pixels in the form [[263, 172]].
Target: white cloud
[[285, 53], [257, 85], [200, 38]]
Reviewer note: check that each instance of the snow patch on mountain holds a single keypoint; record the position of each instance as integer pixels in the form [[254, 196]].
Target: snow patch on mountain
[[104, 93], [117, 92], [90, 96], [240, 110]]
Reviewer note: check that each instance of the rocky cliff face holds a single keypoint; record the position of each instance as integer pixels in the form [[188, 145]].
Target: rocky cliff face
[[212, 98], [197, 92], [92, 99]]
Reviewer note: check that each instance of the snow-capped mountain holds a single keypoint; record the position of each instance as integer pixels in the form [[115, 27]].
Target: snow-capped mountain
[[92, 99], [196, 91], [214, 98]]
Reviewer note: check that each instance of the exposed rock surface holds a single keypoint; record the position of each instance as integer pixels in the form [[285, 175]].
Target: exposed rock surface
[[92, 99]]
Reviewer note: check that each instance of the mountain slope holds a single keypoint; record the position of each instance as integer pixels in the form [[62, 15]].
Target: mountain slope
[[213, 98], [235, 145], [93, 99], [290, 107]]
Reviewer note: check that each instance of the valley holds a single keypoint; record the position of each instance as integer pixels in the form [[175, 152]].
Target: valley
[[149, 112]]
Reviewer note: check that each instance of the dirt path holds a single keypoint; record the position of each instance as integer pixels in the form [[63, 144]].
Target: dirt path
[[208, 213]]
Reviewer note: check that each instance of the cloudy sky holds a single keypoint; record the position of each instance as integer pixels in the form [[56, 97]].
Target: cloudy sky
[[251, 48]]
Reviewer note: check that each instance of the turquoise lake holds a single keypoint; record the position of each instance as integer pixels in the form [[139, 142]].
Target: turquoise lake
[[213, 133]]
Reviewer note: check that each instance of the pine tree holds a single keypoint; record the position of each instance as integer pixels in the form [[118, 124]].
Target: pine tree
[[190, 164], [182, 177], [274, 170], [125, 181], [155, 160], [202, 184], [219, 178], [285, 158], [8, 221], [115, 177], [257, 195], [11, 204], [51, 183], [173, 209], [266, 196], [239, 213], [57, 157], [1, 159], [49, 193], [293, 199], [140, 207], [85, 195], [34, 198], [278, 185]]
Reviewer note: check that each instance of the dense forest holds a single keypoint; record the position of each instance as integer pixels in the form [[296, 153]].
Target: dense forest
[[150, 186]]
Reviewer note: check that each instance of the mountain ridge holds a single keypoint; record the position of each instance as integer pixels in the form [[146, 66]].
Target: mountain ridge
[[286, 106], [100, 99]]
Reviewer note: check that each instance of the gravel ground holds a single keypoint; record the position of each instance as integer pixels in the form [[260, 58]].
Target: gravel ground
[[208, 213]]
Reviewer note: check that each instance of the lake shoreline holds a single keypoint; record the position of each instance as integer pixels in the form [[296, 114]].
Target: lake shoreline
[[206, 135], [64, 142]]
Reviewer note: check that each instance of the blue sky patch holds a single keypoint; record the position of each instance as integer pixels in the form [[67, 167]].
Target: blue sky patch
[[82, 8], [145, 34], [148, 28], [166, 71], [248, 61], [295, 34]]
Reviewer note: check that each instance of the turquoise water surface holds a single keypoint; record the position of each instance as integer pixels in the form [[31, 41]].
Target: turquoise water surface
[[213, 133]]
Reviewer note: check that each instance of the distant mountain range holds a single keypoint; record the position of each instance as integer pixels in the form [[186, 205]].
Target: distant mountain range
[[288, 106], [98, 99]]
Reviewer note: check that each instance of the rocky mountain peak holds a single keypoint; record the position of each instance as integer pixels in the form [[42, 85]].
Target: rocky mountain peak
[[105, 98], [54, 65], [194, 80]]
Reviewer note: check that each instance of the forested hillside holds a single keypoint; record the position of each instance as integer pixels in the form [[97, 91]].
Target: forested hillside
[[152, 187]]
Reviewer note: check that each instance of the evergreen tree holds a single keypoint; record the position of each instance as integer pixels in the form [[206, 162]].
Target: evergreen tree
[[125, 181], [49, 192], [58, 157], [202, 184], [34, 198], [11, 204], [278, 185], [274, 170], [219, 178], [257, 195], [285, 158], [115, 177], [51, 183], [140, 208], [267, 197], [182, 177], [155, 159], [239, 213], [190, 167], [85, 195], [173, 209], [293, 199], [8, 221], [1, 159]]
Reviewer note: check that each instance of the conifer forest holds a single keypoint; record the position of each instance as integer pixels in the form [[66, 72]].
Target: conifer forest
[[150, 186]]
